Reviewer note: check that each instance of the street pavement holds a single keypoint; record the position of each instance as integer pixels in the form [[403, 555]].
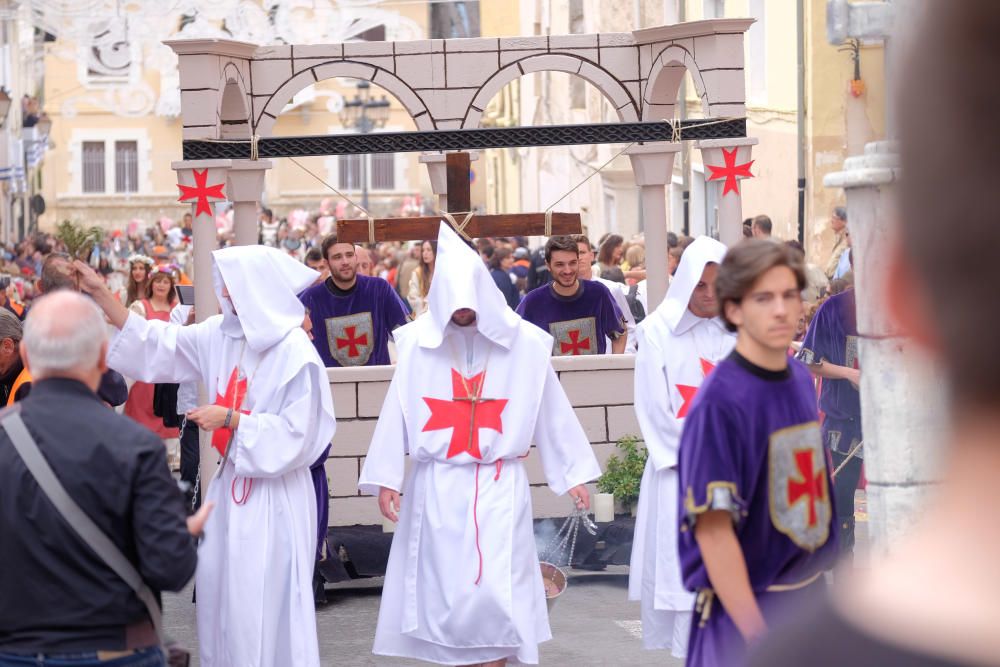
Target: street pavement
[[593, 624]]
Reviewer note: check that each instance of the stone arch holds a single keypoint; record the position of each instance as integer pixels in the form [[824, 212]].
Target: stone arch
[[234, 114], [612, 89], [659, 96], [378, 76]]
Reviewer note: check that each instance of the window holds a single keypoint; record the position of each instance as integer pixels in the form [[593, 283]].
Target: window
[[714, 9], [757, 54], [126, 166], [93, 166], [577, 86], [349, 172], [381, 172], [454, 19]]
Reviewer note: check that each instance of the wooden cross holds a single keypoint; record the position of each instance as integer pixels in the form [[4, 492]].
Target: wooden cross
[[459, 202], [473, 400]]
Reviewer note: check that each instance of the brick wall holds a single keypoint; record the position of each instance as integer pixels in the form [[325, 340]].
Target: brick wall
[[599, 388]]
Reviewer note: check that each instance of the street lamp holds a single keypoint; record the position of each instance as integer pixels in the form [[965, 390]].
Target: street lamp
[[364, 114]]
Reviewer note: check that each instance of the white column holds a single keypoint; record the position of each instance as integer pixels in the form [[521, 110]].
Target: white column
[[246, 183], [653, 166], [902, 402], [204, 239], [731, 203], [438, 172]]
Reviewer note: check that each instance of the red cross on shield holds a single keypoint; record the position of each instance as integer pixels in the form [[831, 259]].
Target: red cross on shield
[[351, 338], [574, 337], [799, 494]]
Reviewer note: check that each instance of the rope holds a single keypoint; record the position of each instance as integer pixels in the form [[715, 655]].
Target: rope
[[459, 227], [364, 211]]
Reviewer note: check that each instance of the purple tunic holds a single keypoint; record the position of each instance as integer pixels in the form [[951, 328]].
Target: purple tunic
[[751, 446], [579, 324], [352, 327], [833, 337]]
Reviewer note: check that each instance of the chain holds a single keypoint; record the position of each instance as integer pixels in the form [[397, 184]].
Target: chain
[[566, 536]]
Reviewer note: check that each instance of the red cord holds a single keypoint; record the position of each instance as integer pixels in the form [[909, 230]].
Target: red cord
[[475, 521], [247, 488]]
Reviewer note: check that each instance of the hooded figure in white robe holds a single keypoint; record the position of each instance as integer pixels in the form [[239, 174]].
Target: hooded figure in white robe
[[463, 585], [677, 349], [254, 579]]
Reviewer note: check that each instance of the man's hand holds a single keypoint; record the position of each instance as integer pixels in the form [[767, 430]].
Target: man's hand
[[87, 279], [92, 284], [853, 375], [196, 522], [388, 503], [190, 319], [212, 417], [581, 497]]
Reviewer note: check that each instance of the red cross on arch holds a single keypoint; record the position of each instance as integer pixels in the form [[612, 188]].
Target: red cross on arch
[[811, 486], [200, 192], [576, 346], [352, 341]]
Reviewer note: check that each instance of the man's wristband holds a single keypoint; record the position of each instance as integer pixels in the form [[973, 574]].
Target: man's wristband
[[229, 418]]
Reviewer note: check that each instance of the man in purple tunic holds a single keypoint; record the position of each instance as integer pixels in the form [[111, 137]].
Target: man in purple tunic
[[756, 517], [830, 350], [353, 315], [579, 314]]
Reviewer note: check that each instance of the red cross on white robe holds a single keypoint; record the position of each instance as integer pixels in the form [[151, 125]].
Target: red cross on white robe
[[812, 485], [236, 392], [465, 413], [576, 346], [688, 392], [352, 341]]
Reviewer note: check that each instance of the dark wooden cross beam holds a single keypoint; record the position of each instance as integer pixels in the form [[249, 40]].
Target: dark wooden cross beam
[[459, 203]]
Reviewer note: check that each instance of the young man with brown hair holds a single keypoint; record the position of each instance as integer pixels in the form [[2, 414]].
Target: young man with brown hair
[[932, 602], [757, 521], [579, 314]]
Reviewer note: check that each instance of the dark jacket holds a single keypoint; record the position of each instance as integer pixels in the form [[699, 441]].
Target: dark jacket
[[56, 595], [506, 286]]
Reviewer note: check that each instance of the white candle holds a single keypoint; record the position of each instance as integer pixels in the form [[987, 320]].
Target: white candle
[[388, 526], [604, 507]]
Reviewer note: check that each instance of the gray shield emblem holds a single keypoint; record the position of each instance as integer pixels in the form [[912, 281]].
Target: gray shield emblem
[[574, 337], [851, 352], [799, 494], [351, 338]]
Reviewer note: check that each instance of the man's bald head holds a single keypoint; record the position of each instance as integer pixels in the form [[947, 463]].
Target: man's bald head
[[65, 335]]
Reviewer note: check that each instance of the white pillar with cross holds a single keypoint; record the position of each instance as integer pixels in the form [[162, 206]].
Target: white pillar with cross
[[732, 156]]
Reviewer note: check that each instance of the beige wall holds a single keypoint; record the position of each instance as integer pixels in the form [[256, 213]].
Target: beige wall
[[598, 387]]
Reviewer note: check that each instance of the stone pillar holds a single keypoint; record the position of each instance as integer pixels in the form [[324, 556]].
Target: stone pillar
[[902, 402], [438, 171], [204, 239], [245, 184], [653, 166], [730, 204]]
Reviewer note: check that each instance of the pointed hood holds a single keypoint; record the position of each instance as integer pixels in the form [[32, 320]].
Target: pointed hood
[[462, 281], [263, 284], [704, 250]]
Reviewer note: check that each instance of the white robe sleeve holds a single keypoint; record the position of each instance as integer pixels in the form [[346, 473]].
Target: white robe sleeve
[[661, 431], [385, 463], [287, 436], [567, 456], [155, 351]]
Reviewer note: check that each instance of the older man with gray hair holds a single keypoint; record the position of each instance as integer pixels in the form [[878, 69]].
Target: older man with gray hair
[[61, 601]]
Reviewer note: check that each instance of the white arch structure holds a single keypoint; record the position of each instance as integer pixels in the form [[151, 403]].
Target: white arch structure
[[233, 90]]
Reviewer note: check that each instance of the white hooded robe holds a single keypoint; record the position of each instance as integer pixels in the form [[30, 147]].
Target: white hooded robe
[[676, 348], [254, 578], [463, 584]]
